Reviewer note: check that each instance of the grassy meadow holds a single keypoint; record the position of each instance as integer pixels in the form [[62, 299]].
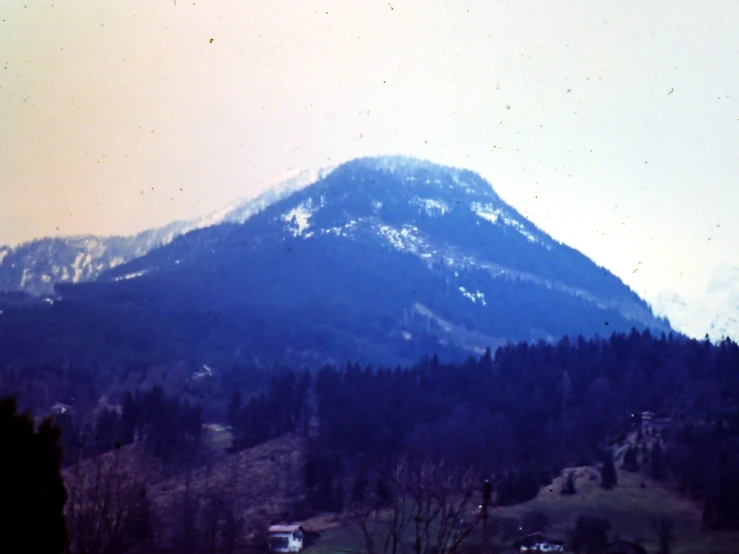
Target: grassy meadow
[[629, 507]]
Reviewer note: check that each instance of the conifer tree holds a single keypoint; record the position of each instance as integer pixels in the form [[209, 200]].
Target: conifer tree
[[568, 487], [658, 461], [609, 478], [33, 495]]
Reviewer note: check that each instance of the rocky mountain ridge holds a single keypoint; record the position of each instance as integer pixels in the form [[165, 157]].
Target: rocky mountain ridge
[[36, 266]]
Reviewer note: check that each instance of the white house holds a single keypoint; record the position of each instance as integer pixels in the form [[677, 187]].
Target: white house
[[60, 408], [286, 538], [538, 542], [652, 424], [217, 437]]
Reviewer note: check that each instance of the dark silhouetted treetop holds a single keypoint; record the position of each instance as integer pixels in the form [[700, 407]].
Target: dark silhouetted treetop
[[32, 492]]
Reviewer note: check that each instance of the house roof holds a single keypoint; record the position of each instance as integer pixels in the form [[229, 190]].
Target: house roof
[[283, 528], [214, 427]]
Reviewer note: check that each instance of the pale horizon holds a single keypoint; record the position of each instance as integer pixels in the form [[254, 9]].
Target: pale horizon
[[613, 126]]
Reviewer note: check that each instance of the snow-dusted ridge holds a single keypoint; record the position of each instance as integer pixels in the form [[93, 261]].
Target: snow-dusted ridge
[[36, 266], [290, 184], [496, 215]]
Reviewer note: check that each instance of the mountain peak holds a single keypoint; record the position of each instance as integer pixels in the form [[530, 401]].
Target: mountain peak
[[398, 164], [380, 258], [421, 177], [724, 278]]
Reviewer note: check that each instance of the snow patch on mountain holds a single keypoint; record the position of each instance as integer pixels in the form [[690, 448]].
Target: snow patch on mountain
[[80, 262], [432, 207], [470, 340], [299, 218], [429, 314], [487, 212], [133, 275], [345, 230], [405, 239], [494, 215], [459, 183], [477, 295]]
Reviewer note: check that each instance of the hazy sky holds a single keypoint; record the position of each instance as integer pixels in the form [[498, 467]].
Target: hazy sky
[[121, 115]]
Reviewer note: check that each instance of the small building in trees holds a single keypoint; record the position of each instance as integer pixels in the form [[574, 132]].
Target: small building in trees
[[653, 424], [217, 437], [286, 538], [539, 542], [60, 408], [646, 421]]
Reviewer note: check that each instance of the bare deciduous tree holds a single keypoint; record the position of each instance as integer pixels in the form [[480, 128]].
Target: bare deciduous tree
[[429, 507], [383, 524], [107, 508]]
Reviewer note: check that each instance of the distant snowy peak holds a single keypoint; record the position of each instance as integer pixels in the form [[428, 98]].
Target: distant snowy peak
[[716, 313], [725, 279], [674, 307]]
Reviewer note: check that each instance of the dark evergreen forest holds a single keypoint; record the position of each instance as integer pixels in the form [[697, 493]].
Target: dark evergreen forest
[[520, 415]]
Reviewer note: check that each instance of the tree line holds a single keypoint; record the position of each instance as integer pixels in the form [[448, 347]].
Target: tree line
[[529, 410], [516, 417]]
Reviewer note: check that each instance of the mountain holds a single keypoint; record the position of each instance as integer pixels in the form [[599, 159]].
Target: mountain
[[715, 314], [380, 260], [35, 267]]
